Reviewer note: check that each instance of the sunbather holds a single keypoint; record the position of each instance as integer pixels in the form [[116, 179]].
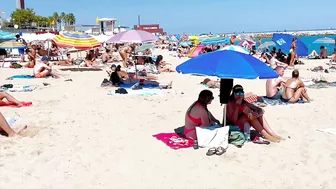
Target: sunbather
[[274, 62], [107, 57], [31, 56], [162, 65], [7, 98], [68, 62], [198, 115], [41, 68], [239, 112], [90, 59], [4, 126], [211, 84], [294, 89], [274, 87]]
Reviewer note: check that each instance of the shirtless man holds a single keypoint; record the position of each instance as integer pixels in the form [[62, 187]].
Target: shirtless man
[[42, 69], [32, 56], [294, 89], [274, 87], [107, 58], [274, 62]]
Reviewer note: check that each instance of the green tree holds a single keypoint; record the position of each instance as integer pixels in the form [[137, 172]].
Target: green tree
[[71, 19], [23, 16]]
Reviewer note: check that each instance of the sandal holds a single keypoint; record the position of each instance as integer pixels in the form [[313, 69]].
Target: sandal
[[211, 151], [258, 140], [220, 151]]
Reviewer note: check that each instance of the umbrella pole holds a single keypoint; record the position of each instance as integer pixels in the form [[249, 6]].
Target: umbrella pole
[[224, 116]]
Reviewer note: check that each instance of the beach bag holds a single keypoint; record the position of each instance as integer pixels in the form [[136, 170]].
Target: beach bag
[[213, 136]]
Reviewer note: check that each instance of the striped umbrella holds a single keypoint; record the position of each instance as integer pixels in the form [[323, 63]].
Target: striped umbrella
[[325, 40], [5, 36], [12, 45], [76, 40], [235, 48]]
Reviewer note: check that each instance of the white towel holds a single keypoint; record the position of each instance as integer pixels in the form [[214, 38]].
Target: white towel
[[328, 130], [213, 136]]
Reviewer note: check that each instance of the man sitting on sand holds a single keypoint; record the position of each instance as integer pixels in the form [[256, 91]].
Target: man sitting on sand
[[274, 87], [274, 62], [41, 68], [294, 89]]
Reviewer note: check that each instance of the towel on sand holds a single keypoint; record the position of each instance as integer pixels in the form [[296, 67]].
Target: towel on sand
[[174, 141], [328, 130], [13, 105], [140, 92], [23, 77]]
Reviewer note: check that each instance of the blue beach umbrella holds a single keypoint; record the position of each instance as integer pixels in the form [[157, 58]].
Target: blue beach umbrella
[[227, 64], [6, 36], [284, 42]]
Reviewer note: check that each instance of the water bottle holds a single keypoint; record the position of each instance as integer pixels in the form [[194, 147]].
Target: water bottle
[[247, 133], [195, 144]]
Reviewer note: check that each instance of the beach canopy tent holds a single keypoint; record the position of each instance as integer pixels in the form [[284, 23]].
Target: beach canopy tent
[[195, 51], [5, 36], [76, 40], [284, 42], [133, 36], [215, 40]]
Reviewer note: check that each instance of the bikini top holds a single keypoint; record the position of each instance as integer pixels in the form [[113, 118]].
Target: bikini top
[[197, 121]]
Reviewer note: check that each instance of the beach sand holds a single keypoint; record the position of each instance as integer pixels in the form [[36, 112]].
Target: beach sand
[[80, 137]]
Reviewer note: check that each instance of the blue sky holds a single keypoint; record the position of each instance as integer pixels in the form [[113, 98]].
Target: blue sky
[[195, 16]]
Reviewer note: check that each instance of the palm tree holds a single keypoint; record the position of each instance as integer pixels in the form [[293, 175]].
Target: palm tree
[[72, 19]]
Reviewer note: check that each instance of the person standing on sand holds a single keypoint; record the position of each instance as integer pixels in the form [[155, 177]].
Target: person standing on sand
[[292, 52], [274, 87]]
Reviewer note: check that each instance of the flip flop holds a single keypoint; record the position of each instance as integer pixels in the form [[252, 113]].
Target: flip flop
[[258, 140], [211, 151], [220, 151]]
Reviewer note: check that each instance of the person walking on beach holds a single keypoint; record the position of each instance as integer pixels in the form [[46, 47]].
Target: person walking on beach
[[292, 52]]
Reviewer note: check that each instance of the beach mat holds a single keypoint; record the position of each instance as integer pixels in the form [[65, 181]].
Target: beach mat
[[174, 141], [20, 88], [140, 92], [331, 131], [274, 102], [13, 105], [23, 77], [128, 86]]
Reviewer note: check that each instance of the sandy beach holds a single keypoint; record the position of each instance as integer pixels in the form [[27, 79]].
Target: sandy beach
[[80, 137]]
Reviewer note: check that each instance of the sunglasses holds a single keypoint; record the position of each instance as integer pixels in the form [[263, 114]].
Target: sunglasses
[[239, 93]]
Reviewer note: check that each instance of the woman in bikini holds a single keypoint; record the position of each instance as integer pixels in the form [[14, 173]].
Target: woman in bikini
[[292, 52], [294, 89], [239, 112], [124, 53], [198, 115]]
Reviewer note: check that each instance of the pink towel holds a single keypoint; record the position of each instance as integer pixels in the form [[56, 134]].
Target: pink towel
[[174, 141], [12, 104]]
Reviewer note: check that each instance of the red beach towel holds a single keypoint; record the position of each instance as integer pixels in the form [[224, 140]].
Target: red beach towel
[[174, 141], [13, 105]]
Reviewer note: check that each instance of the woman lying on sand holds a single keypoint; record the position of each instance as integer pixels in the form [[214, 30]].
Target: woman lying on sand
[[118, 76], [239, 112], [294, 89], [211, 84], [198, 115], [4, 126], [68, 62]]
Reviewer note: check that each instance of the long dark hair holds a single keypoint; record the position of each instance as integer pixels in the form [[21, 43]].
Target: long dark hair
[[159, 58], [204, 98], [235, 89]]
